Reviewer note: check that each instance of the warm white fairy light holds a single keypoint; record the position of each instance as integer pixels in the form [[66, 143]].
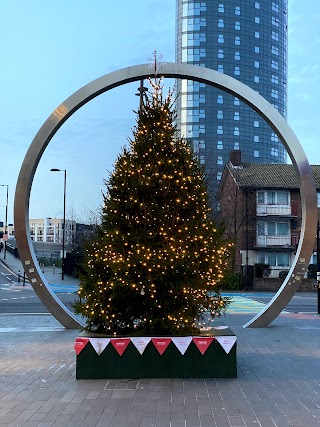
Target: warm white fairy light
[[157, 243]]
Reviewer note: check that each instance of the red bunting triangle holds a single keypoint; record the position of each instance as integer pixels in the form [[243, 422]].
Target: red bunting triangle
[[120, 344], [203, 343], [161, 344], [80, 344]]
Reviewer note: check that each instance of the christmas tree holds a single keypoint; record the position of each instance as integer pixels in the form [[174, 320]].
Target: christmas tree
[[158, 257]]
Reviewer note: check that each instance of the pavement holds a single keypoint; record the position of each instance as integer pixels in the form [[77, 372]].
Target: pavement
[[52, 275], [278, 381]]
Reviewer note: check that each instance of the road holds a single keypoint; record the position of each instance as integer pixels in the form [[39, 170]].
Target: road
[[302, 302], [17, 299]]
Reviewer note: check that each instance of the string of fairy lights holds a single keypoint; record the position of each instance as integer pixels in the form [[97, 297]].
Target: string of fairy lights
[[159, 256]]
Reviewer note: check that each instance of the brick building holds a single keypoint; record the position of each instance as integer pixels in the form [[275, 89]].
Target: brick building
[[261, 208]]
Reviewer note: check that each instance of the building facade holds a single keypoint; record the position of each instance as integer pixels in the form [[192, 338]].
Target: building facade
[[261, 207], [247, 40], [50, 230]]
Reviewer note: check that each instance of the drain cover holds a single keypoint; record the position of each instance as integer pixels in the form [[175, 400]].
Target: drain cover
[[122, 385]]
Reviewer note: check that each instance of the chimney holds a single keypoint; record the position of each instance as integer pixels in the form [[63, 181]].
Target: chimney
[[235, 157]]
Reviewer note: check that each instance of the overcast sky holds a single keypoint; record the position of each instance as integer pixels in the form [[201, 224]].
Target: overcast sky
[[51, 49]]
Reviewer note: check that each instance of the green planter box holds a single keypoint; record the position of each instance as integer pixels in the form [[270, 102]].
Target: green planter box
[[214, 363]]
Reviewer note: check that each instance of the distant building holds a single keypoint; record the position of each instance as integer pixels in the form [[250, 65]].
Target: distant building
[[246, 40], [50, 230], [261, 207]]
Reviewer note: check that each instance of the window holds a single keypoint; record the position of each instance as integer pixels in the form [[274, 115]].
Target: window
[[274, 64], [256, 138], [257, 5], [256, 123], [202, 160], [219, 176], [272, 197], [220, 99], [236, 101], [256, 153], [256, 79], [219, 114], [237, 71], [274, 259], [220, 38], [236, 146], [220, 53], [237, 25], [257, 20], [318, 199], [274, 137], [237, 56], [237, 10], [236, 131], [257, 64], [275, 7], [220, 23], [278, 229], [274, 152], [257, 49], [275, 50], [274, 94], [219, 160], [237, 40], [275, 21], [257, 34], [220, 68], [236, 115], [219, 145], [220, 130], [221, 7], [275, 36], [274, 79]]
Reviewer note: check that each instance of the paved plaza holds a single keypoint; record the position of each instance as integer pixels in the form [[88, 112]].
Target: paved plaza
[[278, 381]]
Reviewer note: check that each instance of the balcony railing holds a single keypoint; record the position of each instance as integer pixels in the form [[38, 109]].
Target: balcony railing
[[281, 241], [279, 210]]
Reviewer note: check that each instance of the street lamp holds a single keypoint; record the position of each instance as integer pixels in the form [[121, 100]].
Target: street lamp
[[6, 223], [64, 216]]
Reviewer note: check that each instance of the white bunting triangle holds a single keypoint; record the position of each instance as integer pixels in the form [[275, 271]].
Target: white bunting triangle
[[226, 342], [99, 344], [140, 343], [182, 343]]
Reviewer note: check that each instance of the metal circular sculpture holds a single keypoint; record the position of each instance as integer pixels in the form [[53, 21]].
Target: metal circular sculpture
[[170, 70]]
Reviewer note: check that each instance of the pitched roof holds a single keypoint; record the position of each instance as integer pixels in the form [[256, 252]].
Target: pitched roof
[[251, 175]]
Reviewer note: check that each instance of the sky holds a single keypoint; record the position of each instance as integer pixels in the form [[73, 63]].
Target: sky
[[51, 49]]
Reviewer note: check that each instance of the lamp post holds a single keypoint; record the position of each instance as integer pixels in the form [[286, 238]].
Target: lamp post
[[318, 264], [6, 223], [64, 216]]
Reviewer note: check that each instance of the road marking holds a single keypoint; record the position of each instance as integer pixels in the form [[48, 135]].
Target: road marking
[[243, 305]]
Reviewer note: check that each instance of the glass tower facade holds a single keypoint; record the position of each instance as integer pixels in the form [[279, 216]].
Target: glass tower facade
[[247, 40]]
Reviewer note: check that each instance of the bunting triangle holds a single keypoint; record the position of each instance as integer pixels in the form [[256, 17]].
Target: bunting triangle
[[99, 344], [161, 344], [80, 344], [120, 344], [140, 343], [227, 342], [182, 343], [203, 343]]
